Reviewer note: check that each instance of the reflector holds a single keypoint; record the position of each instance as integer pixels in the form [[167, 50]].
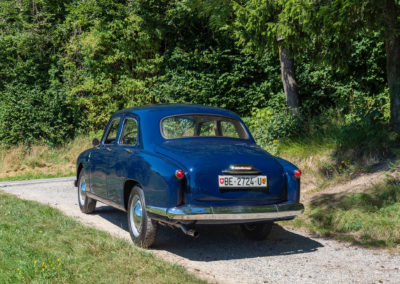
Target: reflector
[[179, 174]]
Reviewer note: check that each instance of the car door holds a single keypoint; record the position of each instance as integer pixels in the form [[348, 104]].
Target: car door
[[124, 158], [101, 158]]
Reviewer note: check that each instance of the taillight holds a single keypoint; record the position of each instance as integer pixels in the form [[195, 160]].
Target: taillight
[[297, 173], [179, 174]]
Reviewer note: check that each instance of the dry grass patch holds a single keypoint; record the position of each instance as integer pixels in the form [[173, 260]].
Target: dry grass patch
[[368, 217], [19, 162]]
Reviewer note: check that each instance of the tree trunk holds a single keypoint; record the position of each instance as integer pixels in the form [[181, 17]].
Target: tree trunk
[[289, 79], [393, 77], [392, 44]]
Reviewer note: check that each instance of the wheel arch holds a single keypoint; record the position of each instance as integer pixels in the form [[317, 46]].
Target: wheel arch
[[128, 186], [79, 169]]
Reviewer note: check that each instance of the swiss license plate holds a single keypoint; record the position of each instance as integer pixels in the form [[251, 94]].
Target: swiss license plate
[[242, 181]]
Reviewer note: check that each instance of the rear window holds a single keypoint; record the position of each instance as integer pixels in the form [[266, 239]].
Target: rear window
[[180, 126]]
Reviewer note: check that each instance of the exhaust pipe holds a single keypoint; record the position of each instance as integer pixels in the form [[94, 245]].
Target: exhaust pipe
[[189, 232]]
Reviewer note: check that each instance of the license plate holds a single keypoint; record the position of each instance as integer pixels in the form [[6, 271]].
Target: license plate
[[242, 181]]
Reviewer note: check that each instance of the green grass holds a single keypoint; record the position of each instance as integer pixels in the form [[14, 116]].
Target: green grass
[[39, 175], [371, 218], [39, 244], [311, 145]]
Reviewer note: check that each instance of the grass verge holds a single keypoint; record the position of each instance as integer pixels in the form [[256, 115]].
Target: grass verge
[[39, 244], [41, 161], [370, 218]]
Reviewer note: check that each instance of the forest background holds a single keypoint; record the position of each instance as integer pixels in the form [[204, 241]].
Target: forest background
[[290, 67]]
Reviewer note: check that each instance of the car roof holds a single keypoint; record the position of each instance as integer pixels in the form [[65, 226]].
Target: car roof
[[162, 110]]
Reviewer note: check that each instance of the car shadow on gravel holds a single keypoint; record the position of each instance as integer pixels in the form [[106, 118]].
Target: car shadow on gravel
[[227, 242], [222, 242]]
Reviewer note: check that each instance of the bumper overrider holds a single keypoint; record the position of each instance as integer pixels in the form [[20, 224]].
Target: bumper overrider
[[233, 214]]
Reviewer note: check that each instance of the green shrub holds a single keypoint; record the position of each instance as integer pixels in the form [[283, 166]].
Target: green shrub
[[29, 115], [218, 77], [272, 123]]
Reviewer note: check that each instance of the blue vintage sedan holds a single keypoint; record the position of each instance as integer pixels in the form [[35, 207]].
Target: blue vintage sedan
[[181, 165]]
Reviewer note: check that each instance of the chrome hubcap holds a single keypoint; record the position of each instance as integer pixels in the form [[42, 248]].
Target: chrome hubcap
[[136, 216], [82, 191]]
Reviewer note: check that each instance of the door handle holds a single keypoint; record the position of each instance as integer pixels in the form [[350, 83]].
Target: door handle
[[108, 149], [128, 151]]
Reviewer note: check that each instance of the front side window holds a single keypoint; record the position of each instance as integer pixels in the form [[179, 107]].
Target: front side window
[[200, 125], [112, 132], [129, 132]]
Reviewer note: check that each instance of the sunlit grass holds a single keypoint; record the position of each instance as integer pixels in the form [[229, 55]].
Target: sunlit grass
[[41, 161], [370, 218], [307, 146], [39, 244]]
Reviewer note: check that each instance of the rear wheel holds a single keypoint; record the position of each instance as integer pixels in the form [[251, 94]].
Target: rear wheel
[[257, 231], [86, 204], [142, 229]]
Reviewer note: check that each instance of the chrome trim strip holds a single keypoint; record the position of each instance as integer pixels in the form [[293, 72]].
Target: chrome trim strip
[[157, 210], [268, 212]]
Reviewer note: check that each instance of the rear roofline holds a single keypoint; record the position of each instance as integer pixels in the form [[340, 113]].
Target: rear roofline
[[162, 110], [151, 115]]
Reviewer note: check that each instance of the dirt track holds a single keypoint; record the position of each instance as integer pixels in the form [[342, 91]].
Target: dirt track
[[223, 255]]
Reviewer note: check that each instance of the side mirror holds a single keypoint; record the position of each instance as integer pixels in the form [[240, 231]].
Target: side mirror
[[95, 142]]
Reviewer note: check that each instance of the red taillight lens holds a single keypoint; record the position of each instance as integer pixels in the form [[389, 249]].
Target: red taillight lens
[[179, 174], [297, 173]]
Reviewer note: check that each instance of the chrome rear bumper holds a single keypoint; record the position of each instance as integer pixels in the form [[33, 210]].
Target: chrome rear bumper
[[230, 214]]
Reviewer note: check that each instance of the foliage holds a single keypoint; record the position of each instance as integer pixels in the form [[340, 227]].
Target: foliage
[[223, 78], [29, 114], [110, 61], [73, 63], [33, 103], [274, 122], [267, 24], [324, 86]]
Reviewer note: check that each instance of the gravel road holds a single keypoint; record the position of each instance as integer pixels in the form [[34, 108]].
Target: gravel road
[[223, 255]]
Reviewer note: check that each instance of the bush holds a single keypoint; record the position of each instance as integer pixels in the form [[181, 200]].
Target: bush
[[366, 128], [272, 123], [222, 78], [29, 115]]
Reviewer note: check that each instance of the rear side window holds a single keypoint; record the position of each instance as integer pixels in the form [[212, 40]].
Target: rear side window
[[200, 125], [129, 132], [112, 132]]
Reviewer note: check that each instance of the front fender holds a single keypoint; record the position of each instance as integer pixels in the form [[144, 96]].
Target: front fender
[[82, 161]]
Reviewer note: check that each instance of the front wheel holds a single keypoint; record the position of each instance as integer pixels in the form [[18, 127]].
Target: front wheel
[[86, 204], [257, 231], [142, 229]]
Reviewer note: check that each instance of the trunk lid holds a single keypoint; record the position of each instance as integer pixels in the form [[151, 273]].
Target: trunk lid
[[205, 159]]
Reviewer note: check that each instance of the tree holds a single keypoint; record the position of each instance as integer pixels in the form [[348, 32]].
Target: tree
[[265, 25], [341, 20], [110, 62]]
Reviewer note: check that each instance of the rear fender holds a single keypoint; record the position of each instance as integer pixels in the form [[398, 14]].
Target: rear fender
[[156, 176], [292, 183]]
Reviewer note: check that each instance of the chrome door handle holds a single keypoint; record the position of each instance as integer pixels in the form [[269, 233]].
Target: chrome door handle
[[108, 149]]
